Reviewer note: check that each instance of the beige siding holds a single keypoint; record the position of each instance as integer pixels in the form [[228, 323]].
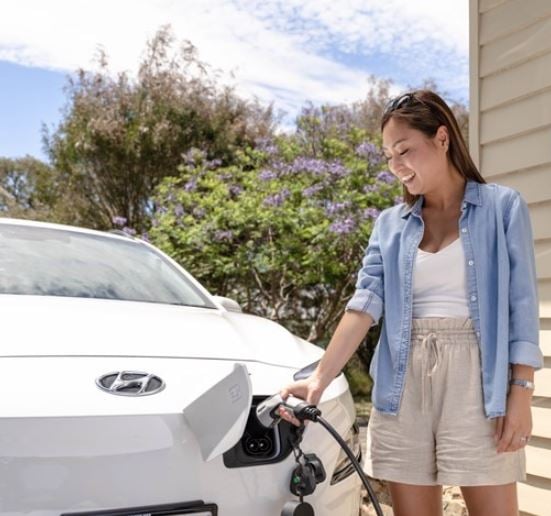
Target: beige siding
[[510, 17], [486, 5], [541, 215], [501, 88], [533, 183], [544, 289], [543, 260], [520, 117], [542, 422], [545, 343], [516, 48], [517, 153], [510, 140], [543, 387], [540, 460], [533, 498]]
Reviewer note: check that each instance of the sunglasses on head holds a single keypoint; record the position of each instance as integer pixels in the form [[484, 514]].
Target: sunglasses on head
[[404, 100]]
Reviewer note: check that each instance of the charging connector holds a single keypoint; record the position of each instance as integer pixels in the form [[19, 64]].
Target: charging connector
[[268, 416], [266, 412]]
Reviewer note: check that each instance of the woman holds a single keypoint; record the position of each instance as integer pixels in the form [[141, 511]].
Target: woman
[[453, 270]]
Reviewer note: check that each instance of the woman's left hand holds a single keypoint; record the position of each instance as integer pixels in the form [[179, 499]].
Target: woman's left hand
[[516, 423]]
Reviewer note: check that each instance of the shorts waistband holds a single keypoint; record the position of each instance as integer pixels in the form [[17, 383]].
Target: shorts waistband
[[435, 332], [443, 324]]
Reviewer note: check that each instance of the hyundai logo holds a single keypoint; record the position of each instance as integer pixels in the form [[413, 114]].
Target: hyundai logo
[[130, 383]]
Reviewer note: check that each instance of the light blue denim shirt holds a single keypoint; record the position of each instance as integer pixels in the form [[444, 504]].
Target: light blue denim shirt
[[496, 235]]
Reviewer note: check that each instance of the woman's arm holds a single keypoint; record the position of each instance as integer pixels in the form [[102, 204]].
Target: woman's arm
[[523, 287], [525, 355], [369, 294], [363, 310], [522, 372], [350, 332], [517, 422]]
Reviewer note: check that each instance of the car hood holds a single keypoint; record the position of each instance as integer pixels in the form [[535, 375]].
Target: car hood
[[63, 326]]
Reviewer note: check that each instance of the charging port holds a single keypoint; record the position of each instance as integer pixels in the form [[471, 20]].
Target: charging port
[[260, 445]]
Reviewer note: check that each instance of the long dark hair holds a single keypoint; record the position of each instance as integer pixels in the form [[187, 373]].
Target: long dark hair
[[426, 111]]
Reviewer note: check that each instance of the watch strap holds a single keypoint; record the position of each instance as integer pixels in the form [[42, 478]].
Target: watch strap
[[527, 384]]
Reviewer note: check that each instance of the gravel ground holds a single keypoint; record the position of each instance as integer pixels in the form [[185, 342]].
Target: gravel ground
[[453, 502]]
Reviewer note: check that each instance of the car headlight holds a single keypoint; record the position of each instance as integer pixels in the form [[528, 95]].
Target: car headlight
[[344, 467]]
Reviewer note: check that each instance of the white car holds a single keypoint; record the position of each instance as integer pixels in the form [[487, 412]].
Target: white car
[[107, 345]]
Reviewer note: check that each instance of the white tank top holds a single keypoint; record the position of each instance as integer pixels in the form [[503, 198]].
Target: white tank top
[[440, 283]]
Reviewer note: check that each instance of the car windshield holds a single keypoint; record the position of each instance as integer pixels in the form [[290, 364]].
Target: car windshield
[[42, 261]]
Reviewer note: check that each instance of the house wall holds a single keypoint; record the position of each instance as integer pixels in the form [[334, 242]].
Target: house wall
[[510, 140]]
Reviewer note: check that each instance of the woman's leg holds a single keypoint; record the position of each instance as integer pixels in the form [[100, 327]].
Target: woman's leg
[[414, 500], [499, 500]]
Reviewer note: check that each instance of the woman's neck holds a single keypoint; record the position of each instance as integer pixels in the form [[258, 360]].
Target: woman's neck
[[448, 195]]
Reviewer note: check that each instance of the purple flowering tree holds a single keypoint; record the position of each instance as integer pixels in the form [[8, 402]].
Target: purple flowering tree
[[282, 231]]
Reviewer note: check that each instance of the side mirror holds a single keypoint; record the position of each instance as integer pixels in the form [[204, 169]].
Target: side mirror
[[228, 304], [306, 371]]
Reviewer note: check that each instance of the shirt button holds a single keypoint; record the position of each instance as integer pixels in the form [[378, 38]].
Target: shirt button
[[473, 298], [464, 230], [464, 205], [471, 262]]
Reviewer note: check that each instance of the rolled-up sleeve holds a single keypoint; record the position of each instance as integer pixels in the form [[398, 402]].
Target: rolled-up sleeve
[[523, 287], [369, 295]]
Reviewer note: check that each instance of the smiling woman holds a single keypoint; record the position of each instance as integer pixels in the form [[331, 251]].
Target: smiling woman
[[416, 124], [453, 271]]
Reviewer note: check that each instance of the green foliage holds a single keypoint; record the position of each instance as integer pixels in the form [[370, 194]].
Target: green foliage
[[280, 231], [359, 381], [28, 188]]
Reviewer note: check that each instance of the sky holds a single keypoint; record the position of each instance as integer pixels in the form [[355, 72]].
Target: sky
[[283, 51]]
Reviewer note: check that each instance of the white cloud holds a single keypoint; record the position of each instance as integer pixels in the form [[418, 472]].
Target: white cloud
[[281, 50]]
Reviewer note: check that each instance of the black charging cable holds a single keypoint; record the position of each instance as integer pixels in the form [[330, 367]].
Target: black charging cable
[[267, 414], [303, 412]]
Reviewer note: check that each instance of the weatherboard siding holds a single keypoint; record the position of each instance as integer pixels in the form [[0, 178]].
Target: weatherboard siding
[[510, 140]]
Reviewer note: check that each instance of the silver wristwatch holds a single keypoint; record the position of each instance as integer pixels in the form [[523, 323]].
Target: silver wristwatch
[[527, 384]]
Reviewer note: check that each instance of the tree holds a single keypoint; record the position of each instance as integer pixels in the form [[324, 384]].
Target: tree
[[119, 137], [315, 124], [281, 232], [28, 188]]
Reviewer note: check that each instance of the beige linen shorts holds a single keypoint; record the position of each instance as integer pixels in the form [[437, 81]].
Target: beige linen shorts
[[441, 434]]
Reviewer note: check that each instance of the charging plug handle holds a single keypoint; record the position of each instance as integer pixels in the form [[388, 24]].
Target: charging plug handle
[[266, 412], [301, 410]]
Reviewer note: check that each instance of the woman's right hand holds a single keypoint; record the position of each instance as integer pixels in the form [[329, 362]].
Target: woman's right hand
[[350, 332], [309, 390]]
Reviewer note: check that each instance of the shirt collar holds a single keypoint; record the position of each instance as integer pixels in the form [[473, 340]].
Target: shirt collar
[[471, 195]]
